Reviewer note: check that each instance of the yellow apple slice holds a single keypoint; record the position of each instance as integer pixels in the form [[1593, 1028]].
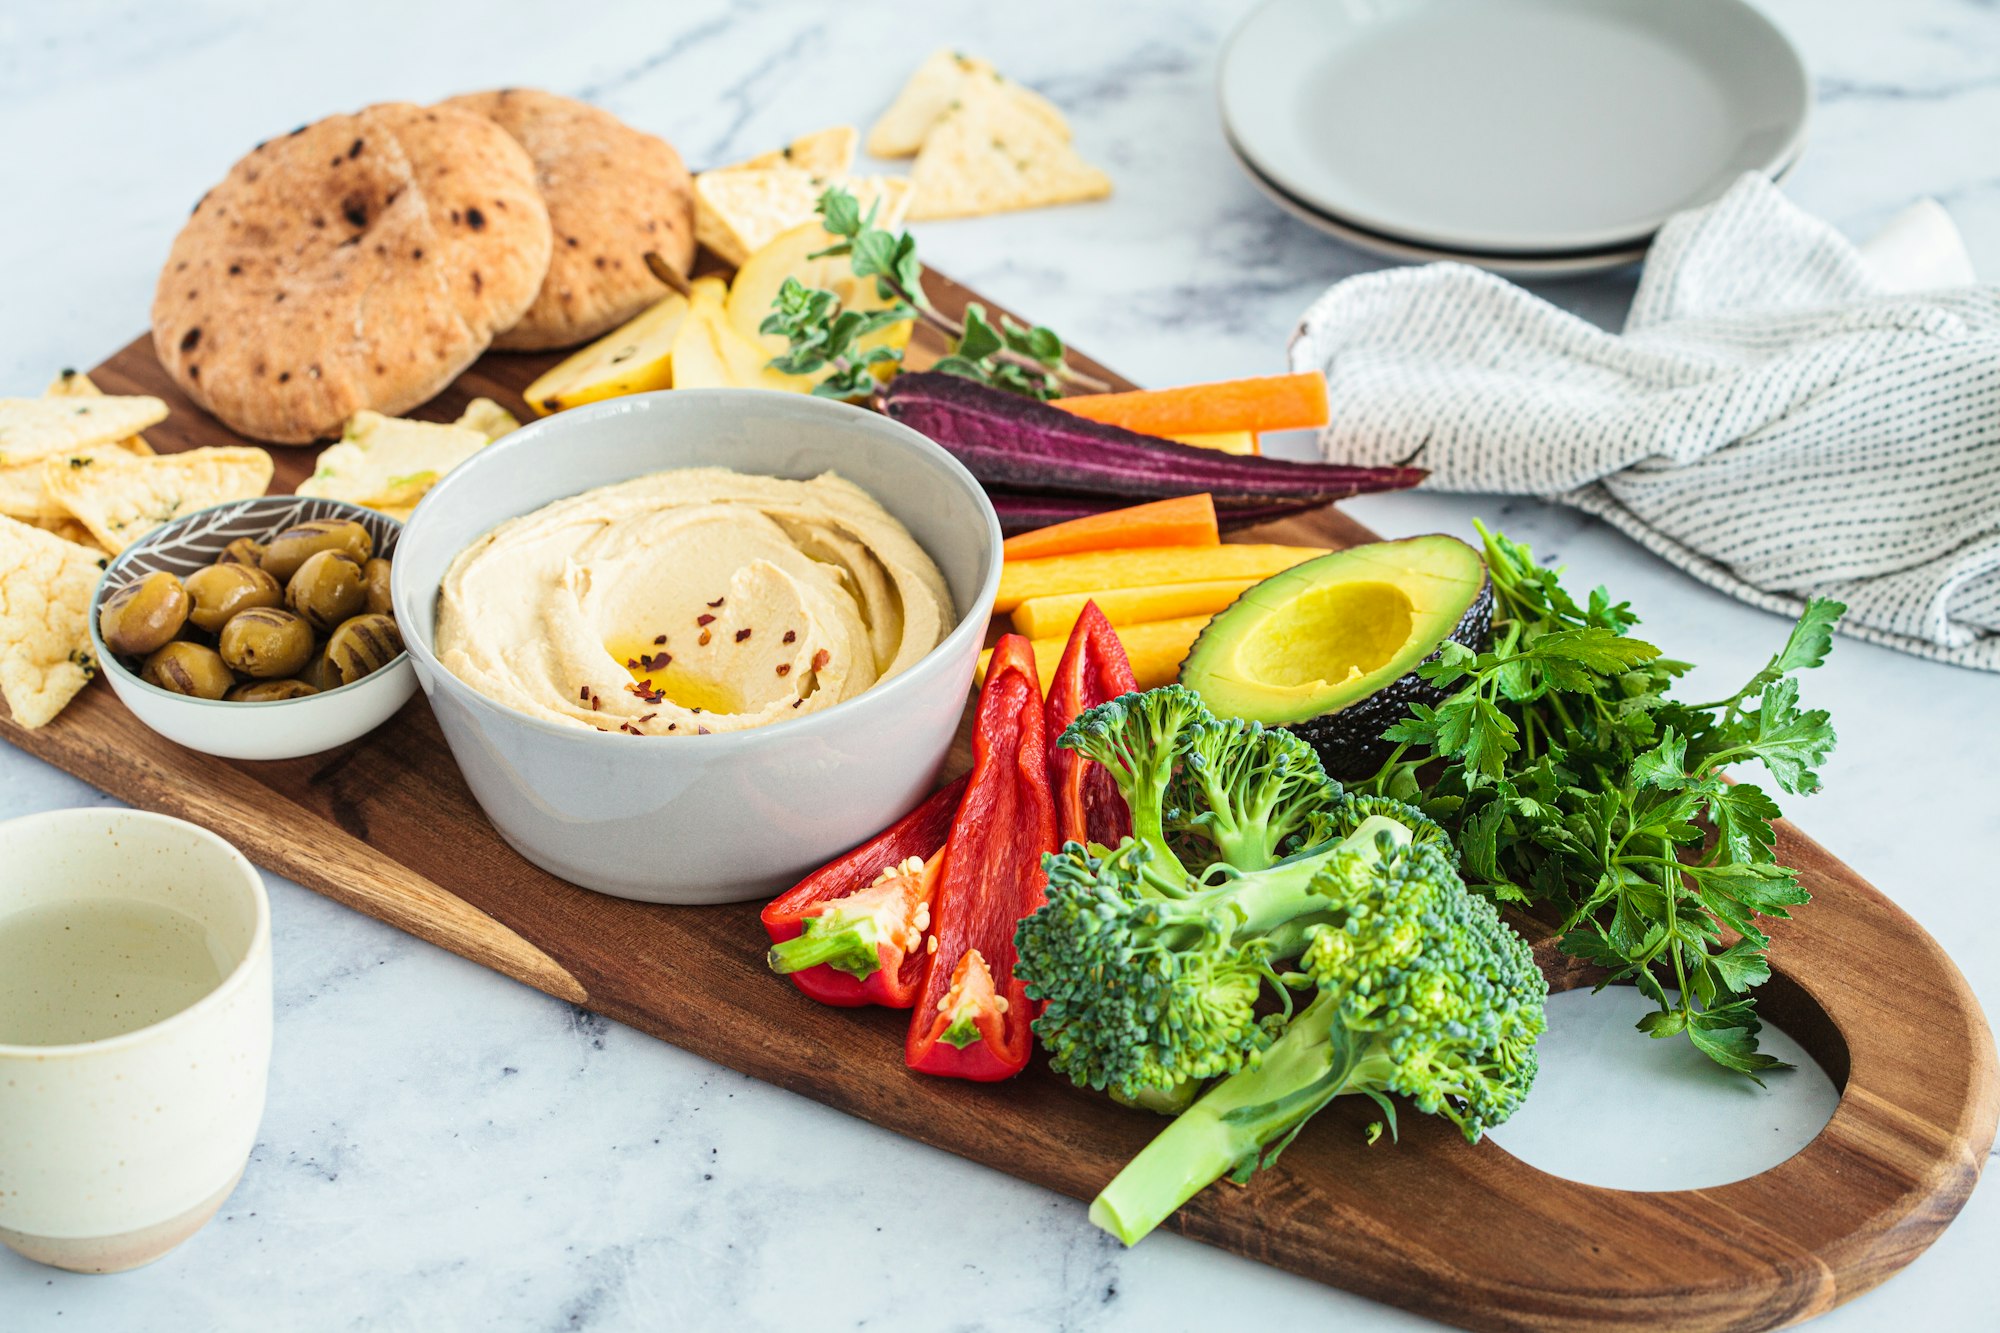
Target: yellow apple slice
[[635, 357], [710, 354]]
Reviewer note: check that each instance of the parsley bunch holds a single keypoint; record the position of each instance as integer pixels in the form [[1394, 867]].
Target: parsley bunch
[[1571, 781], [823, 334]]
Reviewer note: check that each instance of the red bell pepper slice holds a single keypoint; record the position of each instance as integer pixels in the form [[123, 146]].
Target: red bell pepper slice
[[1094, 670], [971, 1017], [847, 933]]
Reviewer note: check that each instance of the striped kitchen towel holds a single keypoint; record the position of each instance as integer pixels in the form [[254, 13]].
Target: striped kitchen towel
[[1778, 418]]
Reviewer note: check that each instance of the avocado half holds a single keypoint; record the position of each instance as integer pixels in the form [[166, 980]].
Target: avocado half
[[1330, 648]]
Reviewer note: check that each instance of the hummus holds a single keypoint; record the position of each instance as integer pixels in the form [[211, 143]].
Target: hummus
[[691, 601]]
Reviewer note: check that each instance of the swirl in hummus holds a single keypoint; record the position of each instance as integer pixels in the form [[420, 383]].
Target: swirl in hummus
[[691, 601]]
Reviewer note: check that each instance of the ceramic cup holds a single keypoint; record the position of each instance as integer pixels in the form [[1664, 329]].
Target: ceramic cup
[[116, 1148]]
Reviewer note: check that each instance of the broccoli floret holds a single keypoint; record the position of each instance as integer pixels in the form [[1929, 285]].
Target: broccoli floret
[[1349, 815], [1146, 992], [1420, 991], [1138, 739], [1251, 792], [1153, 958]]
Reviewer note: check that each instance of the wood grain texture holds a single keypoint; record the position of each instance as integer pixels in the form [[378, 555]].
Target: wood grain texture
[[1465, 1234]]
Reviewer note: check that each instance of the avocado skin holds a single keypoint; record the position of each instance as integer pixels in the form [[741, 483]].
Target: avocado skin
[[1349, 741]]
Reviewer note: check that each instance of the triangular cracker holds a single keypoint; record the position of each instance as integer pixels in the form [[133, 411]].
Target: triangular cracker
[[390, 462], [46, 585], [66, 528], [827, 152], [937, 86], [738, 212], [33, 428], [122, 501], [76, 384], [988, 156]]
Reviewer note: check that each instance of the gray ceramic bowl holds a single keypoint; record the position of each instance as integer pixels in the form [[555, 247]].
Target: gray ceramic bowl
[[284, 729], [735, 815]]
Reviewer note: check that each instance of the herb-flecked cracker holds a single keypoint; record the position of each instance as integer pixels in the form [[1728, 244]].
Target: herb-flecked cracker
[[937, 86], [45, 590], [33, 428], [990, 156], [121, 501], [76, 384], [740, 210], [827, 152]]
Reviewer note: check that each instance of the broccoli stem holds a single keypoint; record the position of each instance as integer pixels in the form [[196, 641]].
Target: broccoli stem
[[1233, 1128]]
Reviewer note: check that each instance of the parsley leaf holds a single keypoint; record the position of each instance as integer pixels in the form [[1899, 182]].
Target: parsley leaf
[[1573, 781]]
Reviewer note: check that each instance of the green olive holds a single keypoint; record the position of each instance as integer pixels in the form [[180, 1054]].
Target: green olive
[[270, 691], [220, 591], [188, 668], [266, 642], [242, 551], [328, 588], [143, 615], [319, 673], [284, 553], [361, 645], [376, 574]]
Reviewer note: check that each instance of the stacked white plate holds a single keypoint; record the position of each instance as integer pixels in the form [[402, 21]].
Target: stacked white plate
[[1531, 137]]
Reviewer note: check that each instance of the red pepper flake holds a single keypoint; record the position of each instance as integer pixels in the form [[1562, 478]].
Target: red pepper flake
[[742, 634], [797, 702], [702, 731], [784, 668], [583, 695], [791, 636], [705, 619], [632, 664], [673, 726], [595, 703], [706, 635], [659, 639], [647, 717], [716, 602], [820, 659]]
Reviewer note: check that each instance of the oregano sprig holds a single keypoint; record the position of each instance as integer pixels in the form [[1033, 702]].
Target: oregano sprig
[[823, 336]]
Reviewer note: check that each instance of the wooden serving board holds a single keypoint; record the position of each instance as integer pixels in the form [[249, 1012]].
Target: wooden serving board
[[1469, 1235]]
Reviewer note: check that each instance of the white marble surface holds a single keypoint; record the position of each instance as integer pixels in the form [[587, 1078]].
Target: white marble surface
[[447, 1149]]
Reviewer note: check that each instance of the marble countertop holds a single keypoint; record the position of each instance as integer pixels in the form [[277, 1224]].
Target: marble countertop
[[444, 1148]]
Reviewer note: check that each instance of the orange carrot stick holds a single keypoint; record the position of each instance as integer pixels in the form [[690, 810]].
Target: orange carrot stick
[[1269, 402], [1187, 520]]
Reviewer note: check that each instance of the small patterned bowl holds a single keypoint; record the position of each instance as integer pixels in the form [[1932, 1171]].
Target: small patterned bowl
[[283, 729]]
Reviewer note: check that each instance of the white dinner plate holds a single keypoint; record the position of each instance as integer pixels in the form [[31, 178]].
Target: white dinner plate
[[1575, 263], [1522, 127], [1548, 264]]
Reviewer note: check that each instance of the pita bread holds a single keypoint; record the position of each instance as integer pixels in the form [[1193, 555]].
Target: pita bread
[[989, 156], [46, 586], [938, 85], [359, 262], [613, 193], [124, 500]]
